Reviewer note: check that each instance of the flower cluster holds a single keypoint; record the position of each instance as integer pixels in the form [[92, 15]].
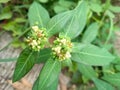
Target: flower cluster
[[62, 48], [37, 38]]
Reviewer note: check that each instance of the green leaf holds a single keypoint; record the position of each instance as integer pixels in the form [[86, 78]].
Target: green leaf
[[67, 62], [4, 1], [24, 64], [91, 33], [93, 55], [49, 74], [71, 23], [113, 79], [43, 1], [44, 55], [77, 47], [115, 9], [59, 9], [117, 67], [6, 15], [38, 15], [102, 85], [58, 22], [96, 7], [53, 85], [87, 71], [63, 5]]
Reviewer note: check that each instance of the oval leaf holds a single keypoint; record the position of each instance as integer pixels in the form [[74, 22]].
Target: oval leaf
[[87, 71], [24, 63], [38, 15], [91, 33], [93, 55], [49, 74]]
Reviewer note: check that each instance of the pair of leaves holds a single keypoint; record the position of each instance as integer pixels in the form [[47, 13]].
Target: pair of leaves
[[49, 74], [92, 55], [27, 59], [48, 78], [71, 23]]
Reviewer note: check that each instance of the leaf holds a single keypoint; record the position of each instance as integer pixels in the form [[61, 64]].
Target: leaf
[[96, 7], [59, 9], [77, 47], [71, 23], [91, 33], [38, 15], [87, 71], [43, 1], [115, 9], [24, 64], [117, 67], [113, 79], [58, 22], [62, 5], [6, 15], [102, 85], [44, 55], [49, 74], [93, 55], [53, 85]]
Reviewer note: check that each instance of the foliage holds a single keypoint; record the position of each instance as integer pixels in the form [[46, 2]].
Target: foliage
[[83, 30]]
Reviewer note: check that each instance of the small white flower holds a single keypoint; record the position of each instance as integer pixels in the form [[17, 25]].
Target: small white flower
[[38, 47], [35, 28], [67, 55], [57, 49], [63, 41], [34, 43]]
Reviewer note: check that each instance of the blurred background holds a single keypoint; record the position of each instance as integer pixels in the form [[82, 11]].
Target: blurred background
[[13, 30]]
